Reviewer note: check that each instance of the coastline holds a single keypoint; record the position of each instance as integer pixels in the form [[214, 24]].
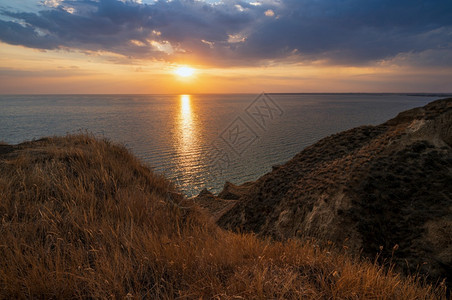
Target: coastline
[[82, 217]]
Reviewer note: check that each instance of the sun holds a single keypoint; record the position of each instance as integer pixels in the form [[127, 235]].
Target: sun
[[184, 71]]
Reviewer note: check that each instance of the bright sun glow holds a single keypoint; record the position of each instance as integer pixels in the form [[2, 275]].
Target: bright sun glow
[[184, 71]]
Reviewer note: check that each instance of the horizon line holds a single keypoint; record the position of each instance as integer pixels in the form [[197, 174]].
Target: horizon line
[[243, 93]]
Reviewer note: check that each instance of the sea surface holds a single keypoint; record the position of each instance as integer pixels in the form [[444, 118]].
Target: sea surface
[[202, 141]]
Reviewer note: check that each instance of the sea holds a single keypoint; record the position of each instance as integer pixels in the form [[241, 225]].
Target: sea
[[202, 141]]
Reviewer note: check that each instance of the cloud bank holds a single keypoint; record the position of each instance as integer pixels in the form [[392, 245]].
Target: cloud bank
[[241, 33]]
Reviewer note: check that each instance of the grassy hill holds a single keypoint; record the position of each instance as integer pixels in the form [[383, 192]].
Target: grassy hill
[[83, 218]]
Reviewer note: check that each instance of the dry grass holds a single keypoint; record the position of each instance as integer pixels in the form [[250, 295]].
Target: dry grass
[[82, 218]]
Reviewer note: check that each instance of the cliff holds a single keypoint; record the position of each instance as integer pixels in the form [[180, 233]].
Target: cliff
[[383, 190]]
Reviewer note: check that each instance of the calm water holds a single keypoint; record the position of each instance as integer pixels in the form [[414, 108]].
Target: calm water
[[201, 140]]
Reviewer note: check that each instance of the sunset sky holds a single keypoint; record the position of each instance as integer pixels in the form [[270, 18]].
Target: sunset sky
[[118, 46]]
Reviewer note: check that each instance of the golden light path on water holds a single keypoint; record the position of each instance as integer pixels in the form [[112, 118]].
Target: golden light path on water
[[186, 126], [187, 141]]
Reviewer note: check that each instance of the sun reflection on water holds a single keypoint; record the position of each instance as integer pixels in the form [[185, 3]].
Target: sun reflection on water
[[185, 105], [186, 126], [187, 141]]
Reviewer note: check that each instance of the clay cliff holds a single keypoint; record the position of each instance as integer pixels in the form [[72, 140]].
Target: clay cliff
[[374, 189]]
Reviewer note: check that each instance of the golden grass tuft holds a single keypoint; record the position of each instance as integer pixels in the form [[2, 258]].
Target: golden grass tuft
[[83, 218]]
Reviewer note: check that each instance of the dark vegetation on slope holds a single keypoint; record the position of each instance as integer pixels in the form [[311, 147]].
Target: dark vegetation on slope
[[373, 189]]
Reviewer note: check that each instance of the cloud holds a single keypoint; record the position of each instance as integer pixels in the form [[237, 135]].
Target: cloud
[[59, 72], [355, 31], [232, 32]]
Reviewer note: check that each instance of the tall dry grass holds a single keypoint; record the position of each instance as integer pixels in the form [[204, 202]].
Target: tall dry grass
[[82, 218]]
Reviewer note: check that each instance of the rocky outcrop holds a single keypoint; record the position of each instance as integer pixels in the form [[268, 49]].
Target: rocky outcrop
[[369, 188]]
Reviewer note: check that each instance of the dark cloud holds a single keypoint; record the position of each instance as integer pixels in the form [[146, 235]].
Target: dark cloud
[[238, 33], [355, 31], [26, 35]]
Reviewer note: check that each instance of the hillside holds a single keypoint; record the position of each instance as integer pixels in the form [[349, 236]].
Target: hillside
[[383, 190], [83, 218]]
